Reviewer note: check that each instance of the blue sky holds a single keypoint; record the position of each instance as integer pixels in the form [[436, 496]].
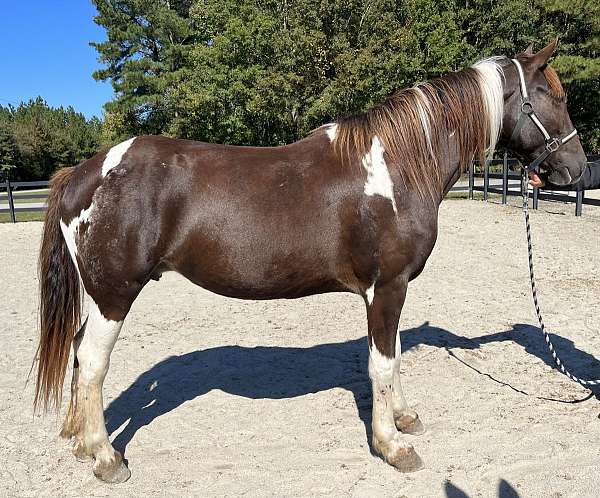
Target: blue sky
[[45, 52]]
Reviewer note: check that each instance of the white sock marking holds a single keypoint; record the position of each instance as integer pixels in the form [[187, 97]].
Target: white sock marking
[[97, 344], [398, 344], [378, 181], [114, 156], [381, 368]]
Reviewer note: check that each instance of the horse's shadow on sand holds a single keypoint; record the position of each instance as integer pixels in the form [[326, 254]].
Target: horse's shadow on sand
[[286, 372]]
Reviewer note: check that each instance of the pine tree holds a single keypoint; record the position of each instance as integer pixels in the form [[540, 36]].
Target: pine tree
[[146, 48]]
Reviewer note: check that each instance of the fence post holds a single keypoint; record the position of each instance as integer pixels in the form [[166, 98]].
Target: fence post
[[486, 180], [536, 197], [11, 203], [579, 202], [521, 186], [471, 179], [504, 177]]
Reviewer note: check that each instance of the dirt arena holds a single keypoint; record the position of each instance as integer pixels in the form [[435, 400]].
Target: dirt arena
[[218, 397]]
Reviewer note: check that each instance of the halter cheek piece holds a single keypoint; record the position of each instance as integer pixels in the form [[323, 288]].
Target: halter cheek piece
[[552, 144]]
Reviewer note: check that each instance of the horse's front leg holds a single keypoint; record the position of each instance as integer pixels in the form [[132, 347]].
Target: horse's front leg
[[390, 411], [407, 420]]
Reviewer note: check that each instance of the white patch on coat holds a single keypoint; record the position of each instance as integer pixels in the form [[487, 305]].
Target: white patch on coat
[[370, 294], [331, 130], [98, 342], [114, 156], [398, 346], [381, 368], [71, 231], [492, 89], [378, 180], [85, 215]]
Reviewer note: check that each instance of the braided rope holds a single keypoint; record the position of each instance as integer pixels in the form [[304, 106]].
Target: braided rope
[[559, 363]]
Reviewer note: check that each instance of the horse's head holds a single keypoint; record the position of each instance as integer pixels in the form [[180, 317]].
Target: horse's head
[[536, 120]]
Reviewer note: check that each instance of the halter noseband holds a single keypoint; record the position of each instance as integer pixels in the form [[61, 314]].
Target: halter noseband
[[552, 143]]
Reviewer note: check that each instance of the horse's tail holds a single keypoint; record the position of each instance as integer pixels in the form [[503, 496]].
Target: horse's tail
[[60, 300]]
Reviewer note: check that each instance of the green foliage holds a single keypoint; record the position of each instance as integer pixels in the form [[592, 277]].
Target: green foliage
[[147, 45], [265, 72], [36, 139], [9, 153]]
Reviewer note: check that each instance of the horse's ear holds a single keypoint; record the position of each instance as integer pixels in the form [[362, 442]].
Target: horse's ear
[[529, 50], [540, 59]]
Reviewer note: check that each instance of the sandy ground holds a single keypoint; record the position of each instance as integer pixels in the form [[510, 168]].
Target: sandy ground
[[218, 397]]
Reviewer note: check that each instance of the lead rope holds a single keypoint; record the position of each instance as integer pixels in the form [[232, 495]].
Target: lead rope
[[559, 363]]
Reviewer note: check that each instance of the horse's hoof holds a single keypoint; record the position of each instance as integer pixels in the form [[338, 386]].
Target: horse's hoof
[[113, 472], [398, 454], [406, 460], [409, 424]]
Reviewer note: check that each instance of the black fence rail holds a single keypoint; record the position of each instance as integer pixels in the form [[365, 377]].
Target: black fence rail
[[511, 184], [9, 197]]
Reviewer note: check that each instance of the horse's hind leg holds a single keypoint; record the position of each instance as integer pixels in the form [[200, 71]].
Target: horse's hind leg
[[383, 314], [72, 424], [85, 418]]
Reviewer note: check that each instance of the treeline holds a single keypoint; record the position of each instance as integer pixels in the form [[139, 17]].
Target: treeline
[[265, 72], [36, 139]]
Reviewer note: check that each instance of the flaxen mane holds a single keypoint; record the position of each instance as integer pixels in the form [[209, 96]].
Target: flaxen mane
[[413, 124]]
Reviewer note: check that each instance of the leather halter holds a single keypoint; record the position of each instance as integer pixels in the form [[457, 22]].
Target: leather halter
[[552, 143]]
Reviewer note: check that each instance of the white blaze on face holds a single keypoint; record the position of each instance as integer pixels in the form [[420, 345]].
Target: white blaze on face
[[114, 156], [378, 181]]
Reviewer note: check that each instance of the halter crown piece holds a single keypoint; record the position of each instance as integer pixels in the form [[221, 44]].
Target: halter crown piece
[[552, 143]]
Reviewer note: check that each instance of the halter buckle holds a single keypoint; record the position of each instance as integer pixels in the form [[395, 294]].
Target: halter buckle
[[553, 145], [526, 107]]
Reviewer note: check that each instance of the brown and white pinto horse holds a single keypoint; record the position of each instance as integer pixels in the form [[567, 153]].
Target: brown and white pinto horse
[[351, 208]]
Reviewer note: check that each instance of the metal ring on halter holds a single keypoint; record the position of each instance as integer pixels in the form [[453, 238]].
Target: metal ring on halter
[[553, 145], [526, 107]]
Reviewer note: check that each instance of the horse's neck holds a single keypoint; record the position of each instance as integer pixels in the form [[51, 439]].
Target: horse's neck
[[449, 164]]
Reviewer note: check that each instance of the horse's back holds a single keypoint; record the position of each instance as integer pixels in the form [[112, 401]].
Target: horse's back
[[242, 221]]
